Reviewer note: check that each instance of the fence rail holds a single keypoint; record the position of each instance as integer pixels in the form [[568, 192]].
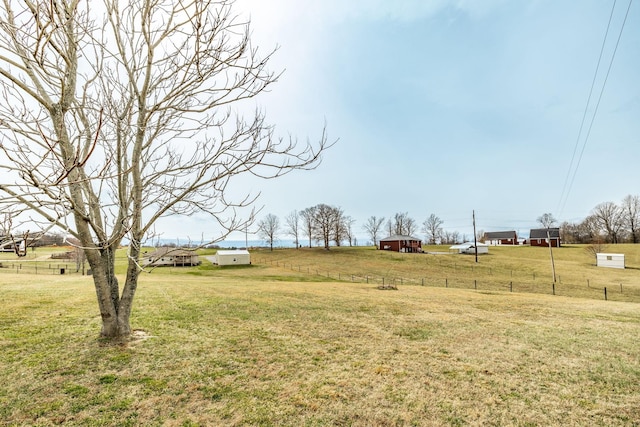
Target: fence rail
[[41, 267], [490, 280]]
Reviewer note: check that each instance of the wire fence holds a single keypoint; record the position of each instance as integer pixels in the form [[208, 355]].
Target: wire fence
[[478, 278], [42, 267], [487, 280]]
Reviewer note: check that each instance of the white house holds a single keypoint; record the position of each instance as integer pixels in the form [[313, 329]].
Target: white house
[[470, 248], [176, 257], [233, 257], [610, 260]]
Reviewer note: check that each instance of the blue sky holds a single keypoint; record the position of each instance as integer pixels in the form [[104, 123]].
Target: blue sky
[[447, 107]]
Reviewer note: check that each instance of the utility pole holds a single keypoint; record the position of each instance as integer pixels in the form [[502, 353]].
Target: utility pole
[[475, 242], [553, 267]]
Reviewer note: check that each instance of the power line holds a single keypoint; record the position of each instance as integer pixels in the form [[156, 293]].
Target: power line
[[562, 202], [586, 109]]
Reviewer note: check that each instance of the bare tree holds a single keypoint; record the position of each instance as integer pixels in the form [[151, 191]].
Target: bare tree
[[390, 227], [338, 231], [403, 224], [326, 218], [120, 113], [610, 219], [308, 216], [292, 222], [569, 232], [589, 230], [410, 226], [450, 237], [594, 249], [268, 228], [373, 227], [631, 215], [546, 220], [432, 227], [348, 229]]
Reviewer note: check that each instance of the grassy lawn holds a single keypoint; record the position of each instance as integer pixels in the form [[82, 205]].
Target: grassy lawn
[[516, 269], [275, 345]]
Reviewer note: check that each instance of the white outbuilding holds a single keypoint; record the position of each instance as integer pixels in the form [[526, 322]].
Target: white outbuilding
[[610, 260], [233, 257], [470, 248]]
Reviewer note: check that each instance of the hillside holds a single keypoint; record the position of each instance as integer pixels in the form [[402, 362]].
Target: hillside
[[517, 269]]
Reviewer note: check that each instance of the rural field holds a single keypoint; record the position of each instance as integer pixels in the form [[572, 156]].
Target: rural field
[[307, 338]]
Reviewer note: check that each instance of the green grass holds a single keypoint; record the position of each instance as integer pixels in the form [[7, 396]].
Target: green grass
[[504, 269], [273, 345]]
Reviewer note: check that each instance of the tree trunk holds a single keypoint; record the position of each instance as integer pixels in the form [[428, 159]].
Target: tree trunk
[[115, 310]]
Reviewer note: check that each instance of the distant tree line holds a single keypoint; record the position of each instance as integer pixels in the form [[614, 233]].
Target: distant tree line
[[608, 222], [326, 225]]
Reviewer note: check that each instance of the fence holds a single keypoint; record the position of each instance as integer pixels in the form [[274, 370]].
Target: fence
[[503, 282], [41, 267]]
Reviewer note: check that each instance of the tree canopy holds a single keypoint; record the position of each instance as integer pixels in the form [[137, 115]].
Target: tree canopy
[[119, 113]]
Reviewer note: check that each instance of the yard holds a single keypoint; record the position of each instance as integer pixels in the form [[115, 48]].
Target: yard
[[276, 345]]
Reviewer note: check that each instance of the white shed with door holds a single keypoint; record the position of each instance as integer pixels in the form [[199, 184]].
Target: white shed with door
[[610, 260], [233, 257]]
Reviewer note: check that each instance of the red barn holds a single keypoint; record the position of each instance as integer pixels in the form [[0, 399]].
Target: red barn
[[545, 237], [400, 243]]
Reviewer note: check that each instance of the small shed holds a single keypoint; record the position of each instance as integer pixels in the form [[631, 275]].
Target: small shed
[[400, 243], [233, 257], [610, 260], [470, 248]]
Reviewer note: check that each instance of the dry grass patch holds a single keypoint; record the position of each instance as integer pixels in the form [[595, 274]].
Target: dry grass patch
[[224, 350], [517, 269]]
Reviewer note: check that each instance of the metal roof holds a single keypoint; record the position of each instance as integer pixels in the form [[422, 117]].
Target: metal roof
[[541, 233], [397, 237], [500, 235]]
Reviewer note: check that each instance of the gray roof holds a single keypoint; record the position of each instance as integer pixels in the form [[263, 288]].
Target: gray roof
[[500, 235], [541, 233], [397, 237], [167, 251]]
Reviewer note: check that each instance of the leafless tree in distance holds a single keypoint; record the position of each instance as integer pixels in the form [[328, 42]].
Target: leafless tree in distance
[[373, 227], [325, 220], [403, 224], [609, 218], [116, 114], [292, 223], [631, 214], [432, 227], [308, 216], [546, 220], [348, 223], [268, 228]]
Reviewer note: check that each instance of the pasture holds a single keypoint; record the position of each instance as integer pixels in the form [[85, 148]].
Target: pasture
[[300, 338]]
